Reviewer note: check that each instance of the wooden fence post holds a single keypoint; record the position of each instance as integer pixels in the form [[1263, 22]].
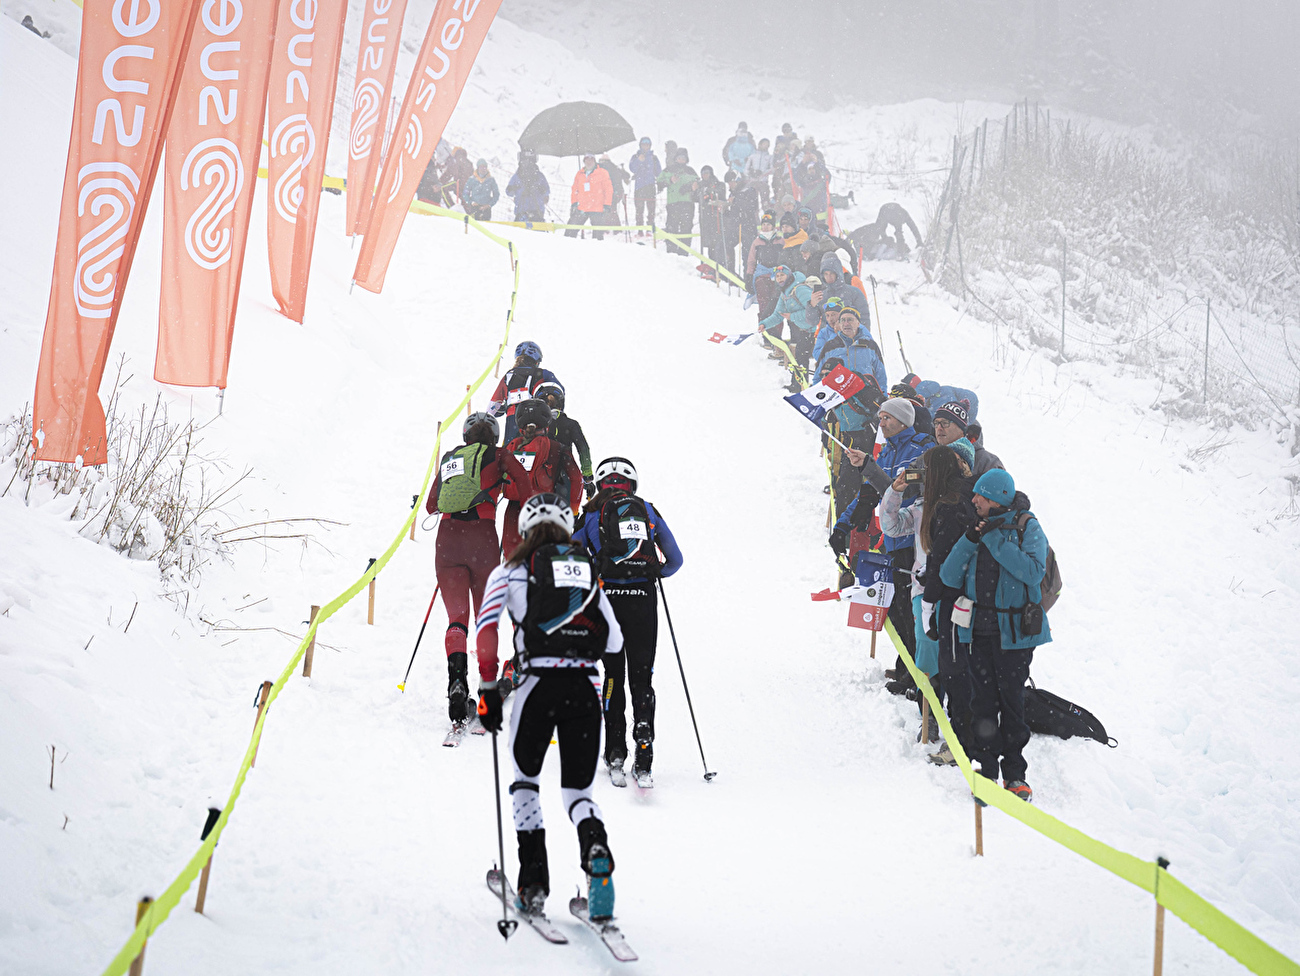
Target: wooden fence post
[[213, 814], [261, 706], [137, 964], [873, 644], [925, 720], [979, 829], [415, 500], [370, 612], [1159, 966], [311, 646]]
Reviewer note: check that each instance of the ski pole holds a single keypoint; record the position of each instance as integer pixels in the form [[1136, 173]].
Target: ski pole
[[507, 924], [402, 686], [708, 776], [875, 301]]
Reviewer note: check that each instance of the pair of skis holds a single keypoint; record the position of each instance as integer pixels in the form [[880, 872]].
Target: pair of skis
[[618, 777], [607, 931], [458, 730]]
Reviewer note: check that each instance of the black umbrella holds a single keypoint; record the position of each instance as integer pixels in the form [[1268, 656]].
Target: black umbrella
[[576, 128]]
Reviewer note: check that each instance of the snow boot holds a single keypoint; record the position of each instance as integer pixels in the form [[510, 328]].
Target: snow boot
[[458, 687], [943, 757], [1020, 788], [598, 863], [534, 871]]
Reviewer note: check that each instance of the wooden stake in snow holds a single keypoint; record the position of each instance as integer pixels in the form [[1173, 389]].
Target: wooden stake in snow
[[979, 829], [213, 814], [311, 647], [925, 721], [261, 705], [1160, 922], [415, 500], [370, 612], [873, 645], [137, 964]]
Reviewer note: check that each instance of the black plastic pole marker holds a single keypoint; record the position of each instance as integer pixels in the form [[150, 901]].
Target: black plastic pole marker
[[507, 925], [708, 776], [402, 686]]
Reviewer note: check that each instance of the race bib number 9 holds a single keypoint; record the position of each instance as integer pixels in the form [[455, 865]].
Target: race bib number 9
[[570, 572], [632, 528], [526, 458], [452, 468], [517, 396]]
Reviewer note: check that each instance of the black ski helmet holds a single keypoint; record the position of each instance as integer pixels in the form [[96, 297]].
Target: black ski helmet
[[534, 412], [550, 389]]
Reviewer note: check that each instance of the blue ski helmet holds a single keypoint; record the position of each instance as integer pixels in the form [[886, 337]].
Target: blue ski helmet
[[530, 349]]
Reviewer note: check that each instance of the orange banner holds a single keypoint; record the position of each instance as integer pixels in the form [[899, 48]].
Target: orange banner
[[127, 70], [440, 73], [300, 107], [213, 146], [381, 30]]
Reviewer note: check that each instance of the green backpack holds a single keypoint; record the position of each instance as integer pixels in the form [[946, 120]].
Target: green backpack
[[461, 486]]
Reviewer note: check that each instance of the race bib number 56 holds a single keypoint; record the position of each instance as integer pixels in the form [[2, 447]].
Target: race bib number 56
[[570, 572], [453, 468]]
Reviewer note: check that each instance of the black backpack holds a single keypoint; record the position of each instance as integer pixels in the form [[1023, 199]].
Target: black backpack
[[520, 378], [627, 548], [1048, 714], [563, 618]]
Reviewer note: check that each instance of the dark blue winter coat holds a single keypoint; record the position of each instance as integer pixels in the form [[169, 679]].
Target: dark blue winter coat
[[531, 191], [899, 451], [644, 170], [660, 535], [862, 355], [936, 395], [1019, 565]]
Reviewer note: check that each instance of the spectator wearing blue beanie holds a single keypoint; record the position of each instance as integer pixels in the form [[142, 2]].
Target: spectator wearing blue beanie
[[999, 570]]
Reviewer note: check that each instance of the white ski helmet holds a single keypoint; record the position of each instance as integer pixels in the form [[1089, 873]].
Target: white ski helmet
[[546, 507], [616, 467], [480, 416]]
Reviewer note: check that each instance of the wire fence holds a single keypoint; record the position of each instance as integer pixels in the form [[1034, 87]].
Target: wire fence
[[1099, 250]]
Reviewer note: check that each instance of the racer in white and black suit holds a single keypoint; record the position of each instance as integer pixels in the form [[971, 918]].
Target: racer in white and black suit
[[563, 624]]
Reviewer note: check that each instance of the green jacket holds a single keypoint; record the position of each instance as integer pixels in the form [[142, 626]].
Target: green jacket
[[678, 179]]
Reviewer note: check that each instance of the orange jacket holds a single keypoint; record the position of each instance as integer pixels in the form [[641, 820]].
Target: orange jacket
[[593, 191]]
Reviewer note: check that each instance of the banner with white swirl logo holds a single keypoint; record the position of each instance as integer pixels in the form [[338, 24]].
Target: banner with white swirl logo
[[213, 147], [372, 96], [456, 33], [127, 72], [300, 110]]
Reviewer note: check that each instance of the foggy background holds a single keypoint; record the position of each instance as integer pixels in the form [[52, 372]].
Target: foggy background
[[1204, 65]]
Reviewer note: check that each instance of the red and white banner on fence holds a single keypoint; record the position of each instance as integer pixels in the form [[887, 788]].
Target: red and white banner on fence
[[381, 30], [213, 146], [130, 60], [300, 107], [455, 35]]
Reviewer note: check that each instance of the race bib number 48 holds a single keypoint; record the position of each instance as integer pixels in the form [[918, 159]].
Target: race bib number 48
[[571, 572], [632, 528], [452, 468]]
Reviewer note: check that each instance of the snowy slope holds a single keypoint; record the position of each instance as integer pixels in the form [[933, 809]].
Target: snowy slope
[[360, 844]]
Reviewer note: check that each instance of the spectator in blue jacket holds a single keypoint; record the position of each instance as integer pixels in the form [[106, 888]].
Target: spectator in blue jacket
[[937, 394], [793, 305], [738, 149], [854, 345], [1000, 570], [839, 286], [481, 192], [644, 167], [828, 325], [903, 445], [529, 188]]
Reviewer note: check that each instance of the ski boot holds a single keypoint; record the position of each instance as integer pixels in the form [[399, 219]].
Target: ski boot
[[614, 765], [644, 758], [1019, 788], [598, 863], [458, 687], [534, 872]]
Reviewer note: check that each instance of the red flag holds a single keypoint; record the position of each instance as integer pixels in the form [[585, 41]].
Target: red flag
[[213, 146], [867, 616], [443, 67], [300, 106], [381, 30], [843, 381], [127, 72]]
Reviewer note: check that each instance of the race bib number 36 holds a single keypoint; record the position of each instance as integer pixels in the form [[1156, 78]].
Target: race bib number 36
[[570, 572], [632, 528], [452, 468]]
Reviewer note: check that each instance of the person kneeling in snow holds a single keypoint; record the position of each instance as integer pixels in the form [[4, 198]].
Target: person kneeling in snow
[[999, 569]]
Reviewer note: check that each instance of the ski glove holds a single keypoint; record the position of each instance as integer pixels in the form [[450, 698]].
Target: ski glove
[[589, 487], [489, 709], [839, 540], [931, 620], [973, 534]]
